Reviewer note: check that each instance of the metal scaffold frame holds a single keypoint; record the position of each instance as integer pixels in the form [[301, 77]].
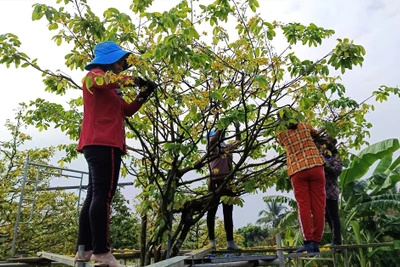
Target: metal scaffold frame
[[49, 170], [279, 256]]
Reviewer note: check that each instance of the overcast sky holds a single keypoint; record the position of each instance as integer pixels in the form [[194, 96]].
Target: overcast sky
[[371, 23]]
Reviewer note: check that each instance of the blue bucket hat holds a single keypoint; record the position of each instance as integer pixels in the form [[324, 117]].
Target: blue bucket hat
[[212, 132], [107, 53]]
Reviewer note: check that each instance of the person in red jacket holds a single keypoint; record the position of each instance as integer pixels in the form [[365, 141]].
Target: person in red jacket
[[102, 141]]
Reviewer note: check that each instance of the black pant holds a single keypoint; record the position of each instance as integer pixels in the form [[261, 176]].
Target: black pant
[[333, 219], [227, 209], [94, 221]]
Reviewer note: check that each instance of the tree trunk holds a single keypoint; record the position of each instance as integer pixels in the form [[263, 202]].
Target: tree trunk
[[143, 235], [148, 253], [157, 254]]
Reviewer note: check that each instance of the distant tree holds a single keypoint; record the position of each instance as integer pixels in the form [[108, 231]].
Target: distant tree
[[197, 237], [51, 215], [220, 235], [273, 214], [124, 227], [254, 235]]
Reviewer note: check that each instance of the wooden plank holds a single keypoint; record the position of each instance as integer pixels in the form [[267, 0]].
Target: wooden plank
[[255, 250], [243, 258], [199, 254], [70, 261], [14, 264], [371, 245], [315, 259], [135, 251], [25, 264], [228, 264], [178, 261], [58, 258], [306, 255], [37, 260]]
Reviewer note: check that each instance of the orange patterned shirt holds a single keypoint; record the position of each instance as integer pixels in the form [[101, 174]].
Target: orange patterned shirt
[[301, 151]]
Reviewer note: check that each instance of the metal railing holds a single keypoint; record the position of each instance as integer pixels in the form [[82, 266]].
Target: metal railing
[[46, 170]]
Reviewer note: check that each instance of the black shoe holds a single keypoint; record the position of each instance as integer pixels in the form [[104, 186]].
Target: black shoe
[[315, 247], [306, 247]]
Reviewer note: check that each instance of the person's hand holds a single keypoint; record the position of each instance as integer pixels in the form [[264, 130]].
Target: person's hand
[[151, 86], [139, 81]]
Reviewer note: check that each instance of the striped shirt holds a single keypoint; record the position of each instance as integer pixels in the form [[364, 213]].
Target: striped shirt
[[301, 151]]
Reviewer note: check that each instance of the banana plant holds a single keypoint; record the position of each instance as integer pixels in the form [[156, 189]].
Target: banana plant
[[369, 202]]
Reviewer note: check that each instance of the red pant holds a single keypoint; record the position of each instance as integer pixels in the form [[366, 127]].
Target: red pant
[[309, 191]]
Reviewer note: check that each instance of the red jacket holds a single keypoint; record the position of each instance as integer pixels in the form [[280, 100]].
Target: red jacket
[[103, 114]]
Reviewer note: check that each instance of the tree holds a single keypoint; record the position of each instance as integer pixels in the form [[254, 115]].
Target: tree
[[52, 215], [254, 235], [288, 224], [236, 72], [197, 236], [273, 214], [220, 235], [124, 226]]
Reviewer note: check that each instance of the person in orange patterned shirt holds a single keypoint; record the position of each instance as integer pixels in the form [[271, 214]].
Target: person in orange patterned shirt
[[305, 166]]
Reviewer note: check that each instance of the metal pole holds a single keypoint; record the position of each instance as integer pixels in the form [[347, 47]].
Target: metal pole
[[34, 197], [279, 251], [56, 168], [346, 258], [19, 207], [334, 257]]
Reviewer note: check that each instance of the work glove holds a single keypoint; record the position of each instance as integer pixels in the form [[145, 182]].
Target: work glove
[[150, 88], [139, 81]]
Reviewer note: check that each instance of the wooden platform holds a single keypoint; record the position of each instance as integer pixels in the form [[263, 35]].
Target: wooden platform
[[207, 257]]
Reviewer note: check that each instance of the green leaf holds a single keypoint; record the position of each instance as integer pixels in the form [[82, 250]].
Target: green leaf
[[53, 26], [262, 81], [89, 83], [217, 95], [395, 163], [356, 229], [99, 80], [364, 160], [249, 186], [392, 179], [381, 202], [193, 110], [170, 101], [36, 12], [383, 164]]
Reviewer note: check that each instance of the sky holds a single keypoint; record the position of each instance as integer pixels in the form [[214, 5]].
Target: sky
[[371, 23]]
